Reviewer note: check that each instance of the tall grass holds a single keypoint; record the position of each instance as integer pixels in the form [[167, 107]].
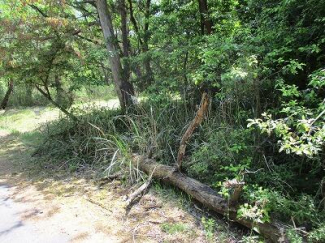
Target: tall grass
[[152, 128], [149, 129]]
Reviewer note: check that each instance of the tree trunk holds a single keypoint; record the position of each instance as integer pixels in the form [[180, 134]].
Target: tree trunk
[[144, 45], [59, 89], [5, 100], [125, 39], [205, 20], [145, 48], [29, 94], [63, 98], [275, 231], [123, 87]]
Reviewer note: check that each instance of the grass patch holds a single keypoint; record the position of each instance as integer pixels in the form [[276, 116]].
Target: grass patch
[[173, 228], [26, 120], [170, 193], [31, 139]]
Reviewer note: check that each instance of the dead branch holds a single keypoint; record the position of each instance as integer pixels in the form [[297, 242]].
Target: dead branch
[[237, 187], [200, 114], [137, 194]]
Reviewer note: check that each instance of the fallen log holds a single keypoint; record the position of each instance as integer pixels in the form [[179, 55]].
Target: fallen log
[[274, 231]]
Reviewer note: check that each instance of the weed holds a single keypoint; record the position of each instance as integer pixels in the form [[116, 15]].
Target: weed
[[293, 236], [173, 228], [251, 239], [317, 235], [209, 228], [170, 193]]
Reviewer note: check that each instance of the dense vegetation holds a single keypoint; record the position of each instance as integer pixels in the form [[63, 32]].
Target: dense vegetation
[[261, 63]]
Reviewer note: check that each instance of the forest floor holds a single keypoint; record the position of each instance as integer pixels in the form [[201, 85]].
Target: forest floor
[[42, 205]]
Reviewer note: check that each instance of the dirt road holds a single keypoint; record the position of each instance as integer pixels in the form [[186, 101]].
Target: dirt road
[[33, 209], [14, 229]]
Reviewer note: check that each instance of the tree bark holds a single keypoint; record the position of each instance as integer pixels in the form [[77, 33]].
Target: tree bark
[[5, 100], [136, 195], [125, 39], [59, 89], [205, 20], [123, 87], [145, 48], [63, 98], [275, 231]]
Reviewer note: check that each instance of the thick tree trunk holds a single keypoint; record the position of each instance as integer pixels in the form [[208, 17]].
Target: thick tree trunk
[[5, 100], [275, 231], [123, 88]]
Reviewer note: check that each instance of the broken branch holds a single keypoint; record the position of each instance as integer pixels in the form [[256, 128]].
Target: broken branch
[[200, 114]]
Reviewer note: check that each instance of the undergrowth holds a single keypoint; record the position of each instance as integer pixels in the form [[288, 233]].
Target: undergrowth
[[219, 150]]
